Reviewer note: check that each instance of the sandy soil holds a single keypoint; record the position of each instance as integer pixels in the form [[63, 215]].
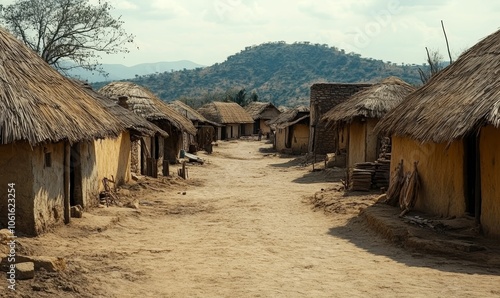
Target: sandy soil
[[241, 227]]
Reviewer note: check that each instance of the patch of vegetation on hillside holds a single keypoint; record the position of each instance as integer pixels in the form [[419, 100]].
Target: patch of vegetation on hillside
[[276, 71]]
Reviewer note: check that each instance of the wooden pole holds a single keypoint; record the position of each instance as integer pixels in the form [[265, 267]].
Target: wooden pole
[[67, 182]]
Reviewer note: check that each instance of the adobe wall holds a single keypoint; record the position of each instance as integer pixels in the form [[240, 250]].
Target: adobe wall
[[372, 143], [323, 97], [15, 162], [90, 180], [264, 127], [135, 157], [113, 159], [280, 139], [357, 144], [300, 140], [490, 180], [441, 170], [48, 186]]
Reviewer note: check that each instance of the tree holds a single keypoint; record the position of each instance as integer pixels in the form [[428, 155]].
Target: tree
[[61, 31], [434, 59]]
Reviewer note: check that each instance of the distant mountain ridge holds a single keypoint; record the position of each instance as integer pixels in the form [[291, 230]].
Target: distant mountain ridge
[[117, 72], [276, 71]]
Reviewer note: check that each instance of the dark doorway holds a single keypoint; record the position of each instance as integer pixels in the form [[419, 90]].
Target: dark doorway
[[75, 176], [289, 138], [256, 126], [223, 133], [242, 130], [472, 182]]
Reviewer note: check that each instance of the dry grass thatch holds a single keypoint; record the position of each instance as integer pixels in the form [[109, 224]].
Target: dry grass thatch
[[145, 104], [372, 102], [190, 113], [225, 113], [39, 105], [455, 102], [256, 108], [128, 119], [290, 117]]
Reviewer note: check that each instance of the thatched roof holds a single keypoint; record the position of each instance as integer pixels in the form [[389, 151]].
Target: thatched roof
[[145, 104], [38, 105], [290, 117], [455, 102], [225, 113], [283, 108], [372, 102], [190, 113], [127, 118], [256, 108]]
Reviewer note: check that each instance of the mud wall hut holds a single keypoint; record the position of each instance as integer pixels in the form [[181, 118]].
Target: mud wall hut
[[206, 130], [261, 113], [325, 96], [47, 130], [291, 131], [115, 157], [450, 126], [145, 104], [235, 120], [354, 120]]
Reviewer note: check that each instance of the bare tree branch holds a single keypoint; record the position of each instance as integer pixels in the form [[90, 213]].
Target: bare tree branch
[[447, 44], [67, 30]]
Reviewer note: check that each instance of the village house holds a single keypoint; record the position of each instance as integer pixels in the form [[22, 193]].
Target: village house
[[355, 118], [115, 158], [206, 130], [262, 112], [235, 120], [144, 103], [451, 127], [48, 125], [325, 96], [291, 130]]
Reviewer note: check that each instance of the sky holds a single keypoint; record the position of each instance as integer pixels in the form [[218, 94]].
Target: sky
[[208, 31]]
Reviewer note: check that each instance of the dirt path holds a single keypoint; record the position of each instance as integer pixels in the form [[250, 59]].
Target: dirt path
[[242, 230]]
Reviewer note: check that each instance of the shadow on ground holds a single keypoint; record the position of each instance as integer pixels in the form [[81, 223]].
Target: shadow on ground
[[451, 251], [322, 175]]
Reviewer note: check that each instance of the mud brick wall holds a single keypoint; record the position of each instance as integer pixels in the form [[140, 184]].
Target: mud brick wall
[[325, 96]]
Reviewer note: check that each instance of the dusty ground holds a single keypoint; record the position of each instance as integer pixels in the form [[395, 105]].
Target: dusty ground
[[242, 227]]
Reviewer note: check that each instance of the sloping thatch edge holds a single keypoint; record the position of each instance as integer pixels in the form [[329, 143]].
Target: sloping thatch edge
[[191, 113], [372, 102], [144, 103], [225, 113], [38, 105], [255, 108], [127, 118], [456, 102]]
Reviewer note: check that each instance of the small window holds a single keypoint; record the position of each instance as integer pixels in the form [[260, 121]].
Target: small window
[[48, 159]]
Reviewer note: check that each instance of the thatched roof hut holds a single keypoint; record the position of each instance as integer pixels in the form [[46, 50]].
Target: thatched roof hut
[[291, 130], [225, 113], [372, 102], [457, 101], [129, 120], [38, 105], [190, 113], [289, 117], [144, 103], [450, 126], [256, 109]]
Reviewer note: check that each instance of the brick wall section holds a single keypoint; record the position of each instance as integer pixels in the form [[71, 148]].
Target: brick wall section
[[325, 96]]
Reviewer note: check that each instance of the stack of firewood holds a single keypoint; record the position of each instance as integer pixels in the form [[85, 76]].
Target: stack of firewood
[[382, 173], [362, 176]]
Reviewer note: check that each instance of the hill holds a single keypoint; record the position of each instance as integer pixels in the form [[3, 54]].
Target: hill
[[278, 72], [118, 72]]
